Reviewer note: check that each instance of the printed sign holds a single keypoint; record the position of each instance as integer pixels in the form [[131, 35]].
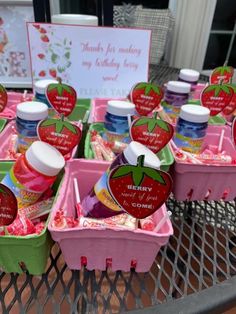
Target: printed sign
[[96, 61]]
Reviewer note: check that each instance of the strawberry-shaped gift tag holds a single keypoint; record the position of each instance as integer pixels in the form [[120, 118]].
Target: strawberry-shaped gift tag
[[216, 98], [139, 190], [61, 134], [61, 97], [232, 104], [8, 206], [233, 132], [151, 132], [222, 74], [146, 97], [3, 98]]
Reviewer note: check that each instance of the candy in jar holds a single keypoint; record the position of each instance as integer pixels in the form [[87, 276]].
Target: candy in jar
[[28, 115], [191, 128], [34, 172], [99, 202]]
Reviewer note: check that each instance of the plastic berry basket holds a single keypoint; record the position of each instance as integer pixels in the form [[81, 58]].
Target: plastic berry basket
[[80, 111], [24, 253], [207, 182], [98, 246], [164, 155]]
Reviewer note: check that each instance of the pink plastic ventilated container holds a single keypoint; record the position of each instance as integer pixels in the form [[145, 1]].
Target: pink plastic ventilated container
[[119, 248], [207, 182]]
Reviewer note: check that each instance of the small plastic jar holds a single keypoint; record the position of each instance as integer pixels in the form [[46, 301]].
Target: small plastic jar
[[28, 115], [116, 120], [99, 202], [191, 128], [34, 172], [189, 76], [40, 88], [176, 95]]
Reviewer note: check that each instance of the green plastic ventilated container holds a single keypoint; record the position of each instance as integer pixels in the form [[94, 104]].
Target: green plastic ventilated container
[[81, 110], [3, 122], [164, 155], [24, 253]]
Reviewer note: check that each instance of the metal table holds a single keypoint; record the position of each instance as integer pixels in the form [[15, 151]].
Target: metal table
[[194, 273]]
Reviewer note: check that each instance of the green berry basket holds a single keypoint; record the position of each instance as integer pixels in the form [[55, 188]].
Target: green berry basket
[[3, 122], [164, 155], [25, 253], [81, 111]]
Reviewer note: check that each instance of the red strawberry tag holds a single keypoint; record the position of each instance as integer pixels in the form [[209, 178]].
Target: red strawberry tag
[[139, 190], [221, 74], [146, 97], [61, 134], [232, 104], [151, 132], [233, 132], [3, 98], [8, 206], [216, 98], [61, 97]]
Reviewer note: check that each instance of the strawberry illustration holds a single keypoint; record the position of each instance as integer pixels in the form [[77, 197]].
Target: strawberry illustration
[[151, 132], [53, 73], [3, 98], [146, 97], [216, 98], [44, 38], [62, 97], [42, 30], [41, 56], [139, 190], [42, 73], [61, 134], [221, 74], [37, 26], [232, 104], [8, 206]]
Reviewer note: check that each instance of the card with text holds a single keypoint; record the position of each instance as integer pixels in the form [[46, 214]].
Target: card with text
[[96, 61]]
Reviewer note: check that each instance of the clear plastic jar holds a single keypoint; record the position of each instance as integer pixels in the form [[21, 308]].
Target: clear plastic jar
[[189, 76], [28, 115], [99, 203], [191, 128]]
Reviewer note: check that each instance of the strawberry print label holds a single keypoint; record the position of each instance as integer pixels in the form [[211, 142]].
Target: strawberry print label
[[61, 134], [151, 132], [23, 143], [146, 97], [229, 109], [216, 98], [222, 75], [139, 190], [8, 206], [3, 98], [190, 144], [61, 97], [24, 196]]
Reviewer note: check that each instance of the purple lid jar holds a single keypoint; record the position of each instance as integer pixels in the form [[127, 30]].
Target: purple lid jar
[[189, 76]]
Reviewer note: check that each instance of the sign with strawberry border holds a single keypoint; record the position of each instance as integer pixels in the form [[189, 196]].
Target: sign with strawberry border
[[8, 206], [61, 134], [152, 132], [222, 74], [216, 97], [139, 190], [61, 97], [3, 98], [146, 97], [232, 104]]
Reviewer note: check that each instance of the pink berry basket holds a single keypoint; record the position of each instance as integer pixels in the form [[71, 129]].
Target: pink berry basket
[[207, 182], [118, 248]]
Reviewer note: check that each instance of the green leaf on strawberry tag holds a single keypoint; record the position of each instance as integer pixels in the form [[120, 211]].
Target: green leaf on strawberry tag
[[122, 172], [59, 126], [49, 122], [70, 127], [155, 175]]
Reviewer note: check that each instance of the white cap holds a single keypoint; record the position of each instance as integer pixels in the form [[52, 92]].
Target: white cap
[[32, 110], [120, 108], [178, 87], [189, 75], [45, 158], [41, 85], [194, 113], [77, 19], [135, 149]]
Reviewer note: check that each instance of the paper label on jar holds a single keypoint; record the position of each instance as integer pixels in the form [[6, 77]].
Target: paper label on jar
[[116, 137], [189, 144], [24, 142], [172, 111], [24, 197], [103, 195]]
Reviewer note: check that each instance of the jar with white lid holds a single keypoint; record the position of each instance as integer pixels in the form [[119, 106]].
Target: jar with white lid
[[176, 95], [99, 202], [191, 128], [28, 115], [189, 76], [117, 120]]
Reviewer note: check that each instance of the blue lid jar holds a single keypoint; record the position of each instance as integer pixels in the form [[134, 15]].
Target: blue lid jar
[[116, 120], [28, 115], [189, 76], [176, 95], [40, 88], [191, 128]]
